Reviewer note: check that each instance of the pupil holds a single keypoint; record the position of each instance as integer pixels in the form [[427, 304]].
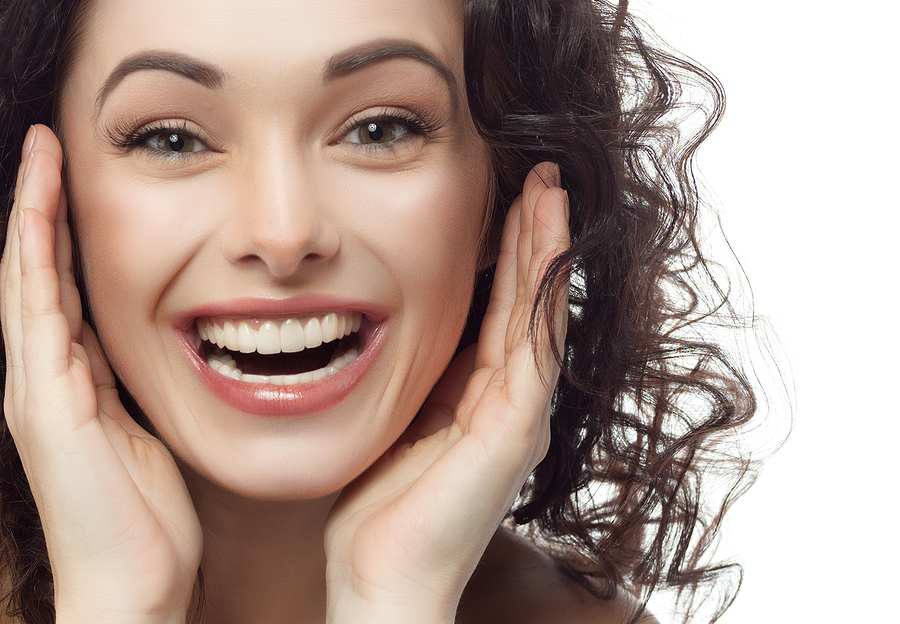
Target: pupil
[[176, 143], [375, 132]]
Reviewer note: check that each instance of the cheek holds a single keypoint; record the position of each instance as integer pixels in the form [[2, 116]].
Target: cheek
[[426, 229], [133, 238]]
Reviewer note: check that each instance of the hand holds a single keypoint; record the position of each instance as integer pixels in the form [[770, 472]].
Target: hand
[[404, 538], [122, 534]]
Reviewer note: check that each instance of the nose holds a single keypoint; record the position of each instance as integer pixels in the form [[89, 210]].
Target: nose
[[276, 219]]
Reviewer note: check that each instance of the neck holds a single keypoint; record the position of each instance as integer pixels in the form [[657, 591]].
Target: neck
[[263, 561]]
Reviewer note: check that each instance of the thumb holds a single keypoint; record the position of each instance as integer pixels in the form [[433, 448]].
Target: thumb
[[439, 408]]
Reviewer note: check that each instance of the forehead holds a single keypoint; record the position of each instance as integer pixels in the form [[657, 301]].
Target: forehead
[[265, 38]]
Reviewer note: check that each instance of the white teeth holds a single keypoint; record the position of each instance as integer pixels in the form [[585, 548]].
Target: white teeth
[[246, 338], [221, 358], [231, 336], [219, 336], [292, 338], [228, 371], [225, 365], [280, 336], [330, 327], [268, 339], [272, 336], [313, 332]]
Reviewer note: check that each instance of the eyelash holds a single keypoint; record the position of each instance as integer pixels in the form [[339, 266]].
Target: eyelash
[[415, 126], [127, 138]]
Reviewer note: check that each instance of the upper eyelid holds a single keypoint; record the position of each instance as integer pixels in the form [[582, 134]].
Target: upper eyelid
[[140, 136], [157, 128], [133, 134], [418, 124], [123, 132]]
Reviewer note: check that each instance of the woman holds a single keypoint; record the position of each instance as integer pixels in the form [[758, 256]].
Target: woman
[[330, 315]]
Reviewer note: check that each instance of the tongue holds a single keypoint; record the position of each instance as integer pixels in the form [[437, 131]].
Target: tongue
[[285, 363]]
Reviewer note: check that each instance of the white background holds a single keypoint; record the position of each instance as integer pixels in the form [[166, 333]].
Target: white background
[[803, 171]]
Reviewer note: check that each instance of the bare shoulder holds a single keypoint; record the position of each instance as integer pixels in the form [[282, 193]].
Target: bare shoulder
[[517, 583]]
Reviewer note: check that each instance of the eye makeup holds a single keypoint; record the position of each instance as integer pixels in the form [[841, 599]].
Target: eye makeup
[[382, 115], [169, 139], [385, 129], [388, 128]]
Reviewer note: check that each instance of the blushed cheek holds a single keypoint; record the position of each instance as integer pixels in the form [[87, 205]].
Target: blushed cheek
[[428, 224], [120, 235], [133, 238]]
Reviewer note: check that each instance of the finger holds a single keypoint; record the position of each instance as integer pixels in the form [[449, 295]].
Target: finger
[[39, 137], [533, 370], [69, 296], [105, 383], [39, 182], [9, 266], [491, 350], [542, 177], [45, 329], [44, 139], [536, 183], [550, 239], [504, 316], [27, 148]]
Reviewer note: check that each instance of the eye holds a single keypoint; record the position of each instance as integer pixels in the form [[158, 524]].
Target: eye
[[377, 132], [380, 133], [173, 142]]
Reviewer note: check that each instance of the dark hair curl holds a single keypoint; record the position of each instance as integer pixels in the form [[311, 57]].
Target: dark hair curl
[[643, 406]]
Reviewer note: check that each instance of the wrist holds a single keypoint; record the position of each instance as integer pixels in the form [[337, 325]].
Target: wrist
[[353, 613], [98, 617], [125, 602], [103, 614], [351, 607]]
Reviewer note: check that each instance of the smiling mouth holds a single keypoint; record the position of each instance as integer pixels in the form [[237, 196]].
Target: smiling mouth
[[283, 352]]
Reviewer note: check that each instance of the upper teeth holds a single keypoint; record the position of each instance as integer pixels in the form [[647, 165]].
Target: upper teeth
[[268, 336]]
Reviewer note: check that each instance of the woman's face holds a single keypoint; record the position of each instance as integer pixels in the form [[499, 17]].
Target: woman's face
[[268, 176]]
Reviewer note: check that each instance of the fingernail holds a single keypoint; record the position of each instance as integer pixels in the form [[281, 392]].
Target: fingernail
[[556, 178], [21, 225], [28, 160], [567, 205], [29, 142]]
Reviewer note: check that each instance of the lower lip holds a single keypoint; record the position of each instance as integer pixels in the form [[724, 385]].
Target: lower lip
[[287, 401]]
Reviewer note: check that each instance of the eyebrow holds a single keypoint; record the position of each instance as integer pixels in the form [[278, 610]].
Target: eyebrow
[[338, 66], [357, 58], [191, 68]]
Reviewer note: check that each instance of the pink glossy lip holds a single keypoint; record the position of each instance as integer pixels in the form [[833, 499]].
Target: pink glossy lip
[[284, 401]]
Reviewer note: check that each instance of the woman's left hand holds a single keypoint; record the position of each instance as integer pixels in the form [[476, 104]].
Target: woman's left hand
[[404, 538]]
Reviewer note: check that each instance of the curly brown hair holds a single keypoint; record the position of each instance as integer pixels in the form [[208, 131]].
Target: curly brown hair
[[646, 409]]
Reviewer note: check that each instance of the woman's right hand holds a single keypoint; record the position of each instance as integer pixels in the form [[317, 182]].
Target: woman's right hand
[[122, 534]]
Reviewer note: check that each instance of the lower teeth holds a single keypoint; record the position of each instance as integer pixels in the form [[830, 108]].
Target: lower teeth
[[225, 365]]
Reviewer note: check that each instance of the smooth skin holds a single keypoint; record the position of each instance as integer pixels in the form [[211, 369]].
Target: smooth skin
[[402, 540], [346, 515], [123, 538]]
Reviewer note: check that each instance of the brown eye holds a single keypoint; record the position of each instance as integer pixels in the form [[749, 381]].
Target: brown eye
[[376, 133], [174, 143]]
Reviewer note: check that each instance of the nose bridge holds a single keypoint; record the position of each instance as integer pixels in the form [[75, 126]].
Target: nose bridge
[[276, 219]]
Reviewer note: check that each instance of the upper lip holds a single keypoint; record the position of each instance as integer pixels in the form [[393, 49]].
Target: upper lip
[[304, 305]]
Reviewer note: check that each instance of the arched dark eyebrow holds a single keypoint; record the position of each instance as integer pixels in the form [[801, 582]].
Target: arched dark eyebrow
[[339, 65], [191, 68], [352, 60]]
